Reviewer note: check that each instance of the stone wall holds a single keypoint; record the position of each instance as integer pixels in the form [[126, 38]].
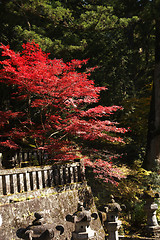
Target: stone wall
[[52, 191], [53, 203], [137, 238]]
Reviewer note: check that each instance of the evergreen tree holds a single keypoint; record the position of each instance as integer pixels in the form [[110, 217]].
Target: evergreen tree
[[117, 36]]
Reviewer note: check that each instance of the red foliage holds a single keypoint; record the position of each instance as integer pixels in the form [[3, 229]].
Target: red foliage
[[57, 112]]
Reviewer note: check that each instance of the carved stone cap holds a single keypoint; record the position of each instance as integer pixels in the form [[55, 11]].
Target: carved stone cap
[[82, 215], [150, 194], [38, 219], [39, 229], [113, 206]]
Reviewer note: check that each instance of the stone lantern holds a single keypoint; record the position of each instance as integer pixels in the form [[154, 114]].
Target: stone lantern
[[39, 230], [150, 208], [0, 221], [113, 224], [82, 219]]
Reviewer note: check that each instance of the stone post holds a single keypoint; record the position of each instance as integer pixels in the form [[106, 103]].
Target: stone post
[[82, 219], [1, 160], [0, 220], [113, 224], [150, 207]]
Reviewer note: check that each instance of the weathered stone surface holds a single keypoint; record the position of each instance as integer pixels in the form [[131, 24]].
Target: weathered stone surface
[[150, 207], [112, 223], [53, 205], [82, 219], [136, 238]]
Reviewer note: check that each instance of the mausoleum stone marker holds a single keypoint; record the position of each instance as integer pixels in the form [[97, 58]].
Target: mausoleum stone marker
[[38, 230], [113, 224], [82, 219], [153, 229]]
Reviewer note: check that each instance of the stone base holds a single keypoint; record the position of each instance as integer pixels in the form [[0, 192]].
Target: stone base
[[88, 235], [137, 238], [54, 204], [82, 236], [153, 231]]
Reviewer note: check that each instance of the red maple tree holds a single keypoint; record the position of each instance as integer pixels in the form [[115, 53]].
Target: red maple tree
[[58, 110]]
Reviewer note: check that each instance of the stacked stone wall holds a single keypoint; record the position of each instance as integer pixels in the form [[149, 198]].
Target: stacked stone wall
[[52, 191], [54, 204]]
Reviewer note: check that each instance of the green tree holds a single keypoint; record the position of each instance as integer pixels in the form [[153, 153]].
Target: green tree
[[153, 143], [114, 35], [147, 35]]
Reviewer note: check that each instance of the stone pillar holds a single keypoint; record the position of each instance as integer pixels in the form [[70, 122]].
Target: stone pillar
[[0, 220], [82, 219], [8, 160], [150, 207], [1, 160], [113, 224]]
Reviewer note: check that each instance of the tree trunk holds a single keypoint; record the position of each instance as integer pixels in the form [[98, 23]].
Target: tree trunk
[[153, 141]]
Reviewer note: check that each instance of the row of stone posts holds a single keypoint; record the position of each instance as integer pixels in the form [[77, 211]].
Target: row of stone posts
[[152, 228], [40, 230], [82, 219]]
